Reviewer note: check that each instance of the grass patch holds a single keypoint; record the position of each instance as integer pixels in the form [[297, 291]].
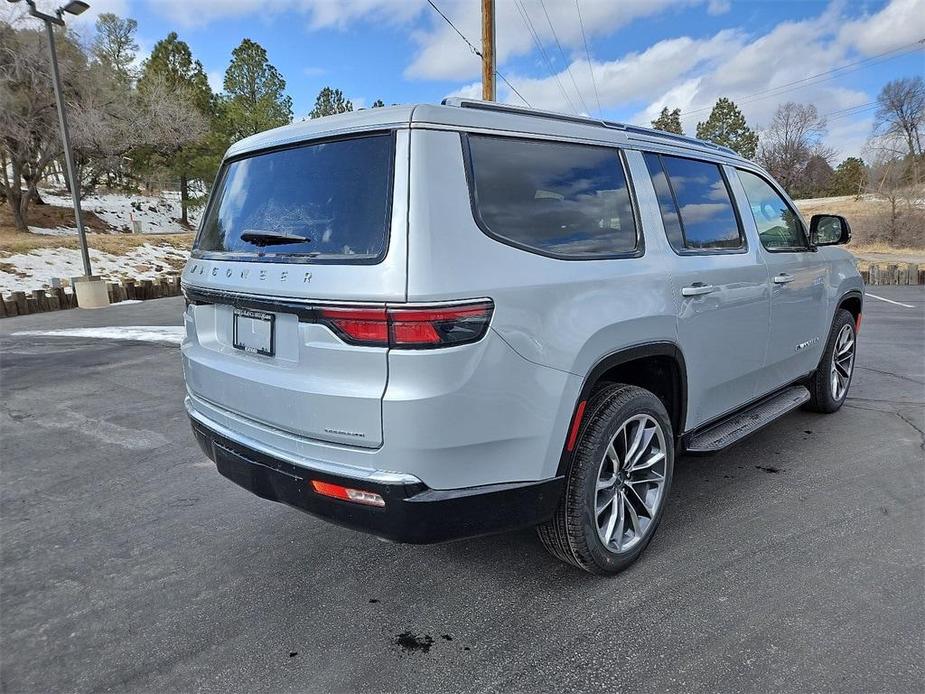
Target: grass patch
[[99, 236]]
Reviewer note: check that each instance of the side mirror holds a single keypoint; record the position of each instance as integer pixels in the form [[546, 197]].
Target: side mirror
[[829, 230]]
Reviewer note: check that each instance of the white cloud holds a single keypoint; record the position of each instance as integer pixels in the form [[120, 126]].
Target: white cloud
[[757, 70], [443, 55], [717, 7], [634, 77], [469, 91], [320, 13], [848, 137], [81, 24], [899, 23]]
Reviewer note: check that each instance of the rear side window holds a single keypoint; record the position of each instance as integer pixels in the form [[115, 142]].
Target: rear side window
[[779, 227], [695, 204], [325, 201], [557, 199]]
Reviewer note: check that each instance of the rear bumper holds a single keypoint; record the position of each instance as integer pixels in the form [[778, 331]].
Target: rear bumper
[[413, 513]]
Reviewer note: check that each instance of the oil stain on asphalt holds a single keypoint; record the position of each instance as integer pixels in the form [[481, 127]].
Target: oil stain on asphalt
[[411, 643]]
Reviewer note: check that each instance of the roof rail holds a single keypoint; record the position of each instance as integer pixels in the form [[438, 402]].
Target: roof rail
[[585, 120], [652, 132], [520, 110]]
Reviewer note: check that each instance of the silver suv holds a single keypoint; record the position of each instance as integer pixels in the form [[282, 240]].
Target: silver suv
[[433, 322]]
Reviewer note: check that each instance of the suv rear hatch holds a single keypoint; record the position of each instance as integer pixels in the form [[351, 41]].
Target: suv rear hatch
[[289, 236]]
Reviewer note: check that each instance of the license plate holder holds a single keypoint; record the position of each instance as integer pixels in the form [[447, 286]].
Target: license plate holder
[[254, 332]]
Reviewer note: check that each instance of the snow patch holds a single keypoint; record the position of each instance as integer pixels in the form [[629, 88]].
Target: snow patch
[[170, 334], [158, 214], [38, 267]]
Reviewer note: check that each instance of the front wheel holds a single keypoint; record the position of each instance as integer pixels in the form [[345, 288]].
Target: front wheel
[[617, 486], [828, 387]]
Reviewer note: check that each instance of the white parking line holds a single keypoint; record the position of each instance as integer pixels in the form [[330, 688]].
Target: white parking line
[[889, 301]]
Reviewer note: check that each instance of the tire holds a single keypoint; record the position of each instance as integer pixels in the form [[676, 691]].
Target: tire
[[576, 532], [835, 367]]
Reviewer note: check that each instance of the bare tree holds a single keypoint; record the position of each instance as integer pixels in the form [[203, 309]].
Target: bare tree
[[28, 121], [889, 182], [108, 117], [792, 138], [111, 121], [901, 113]]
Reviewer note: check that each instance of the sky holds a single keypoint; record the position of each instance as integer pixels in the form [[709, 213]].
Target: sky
[[623, 60]]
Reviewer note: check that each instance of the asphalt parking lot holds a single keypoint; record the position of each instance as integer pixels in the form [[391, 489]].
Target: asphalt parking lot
[[793, 561]]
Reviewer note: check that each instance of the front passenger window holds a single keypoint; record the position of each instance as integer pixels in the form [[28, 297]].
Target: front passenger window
[[779, 227]]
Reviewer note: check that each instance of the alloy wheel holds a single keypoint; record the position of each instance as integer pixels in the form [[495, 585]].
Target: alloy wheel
[[842, 362], [630, 483]]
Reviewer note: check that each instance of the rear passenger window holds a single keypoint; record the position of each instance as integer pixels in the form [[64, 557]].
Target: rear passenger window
[[558, 199], [695, 204]]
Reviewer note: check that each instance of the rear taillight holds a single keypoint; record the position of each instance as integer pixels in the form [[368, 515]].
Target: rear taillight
[[358, 326], [410, 327]]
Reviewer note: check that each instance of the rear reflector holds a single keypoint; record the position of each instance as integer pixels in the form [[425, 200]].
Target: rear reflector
[[337, 491], [409, 327], [857, 323], [576, 425]]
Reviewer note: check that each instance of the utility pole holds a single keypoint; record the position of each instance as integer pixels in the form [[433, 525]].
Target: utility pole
[[488, 50]]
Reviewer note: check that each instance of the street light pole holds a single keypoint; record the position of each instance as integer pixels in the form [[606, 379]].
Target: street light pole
[[65, 135], [90, 291]]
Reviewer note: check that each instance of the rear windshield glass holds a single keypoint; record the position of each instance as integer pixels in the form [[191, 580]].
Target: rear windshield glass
[[327, 200]]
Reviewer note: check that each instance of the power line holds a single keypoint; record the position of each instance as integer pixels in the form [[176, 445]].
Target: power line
[[513, 89], [536, 40], [477, 52], [584, 38], [568, 65], [848, 112], [827, 75]]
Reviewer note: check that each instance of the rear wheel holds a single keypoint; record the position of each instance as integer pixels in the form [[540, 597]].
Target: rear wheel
[[829, 385], [618, 483]]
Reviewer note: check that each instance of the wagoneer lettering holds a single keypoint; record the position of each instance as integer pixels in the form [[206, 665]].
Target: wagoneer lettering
[[501, 325]]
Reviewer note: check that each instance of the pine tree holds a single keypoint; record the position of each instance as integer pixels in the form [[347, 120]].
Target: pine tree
[[726, 126], [849, 177], [114, 45], [331, 101], [256, 98], [669, 121], [172, 61], [171, 64]]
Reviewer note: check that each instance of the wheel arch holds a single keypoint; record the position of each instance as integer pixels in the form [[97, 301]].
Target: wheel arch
[[852, 301], [657, 366]]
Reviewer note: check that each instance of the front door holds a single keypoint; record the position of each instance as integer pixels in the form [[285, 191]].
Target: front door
[[797, 277]]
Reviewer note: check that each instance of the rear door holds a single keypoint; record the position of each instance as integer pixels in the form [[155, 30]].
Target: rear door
[[719, 282], [287, 231], [797, 278]]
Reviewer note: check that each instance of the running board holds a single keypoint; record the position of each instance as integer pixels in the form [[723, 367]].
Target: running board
[[741, 424]]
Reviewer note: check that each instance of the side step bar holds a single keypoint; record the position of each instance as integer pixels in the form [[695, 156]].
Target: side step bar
[[748, 421]]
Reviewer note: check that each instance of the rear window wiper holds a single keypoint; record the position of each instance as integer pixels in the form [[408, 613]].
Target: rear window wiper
[[263, 237]]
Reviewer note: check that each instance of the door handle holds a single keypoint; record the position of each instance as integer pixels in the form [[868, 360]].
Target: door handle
[[783, 278], [698, 289]]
